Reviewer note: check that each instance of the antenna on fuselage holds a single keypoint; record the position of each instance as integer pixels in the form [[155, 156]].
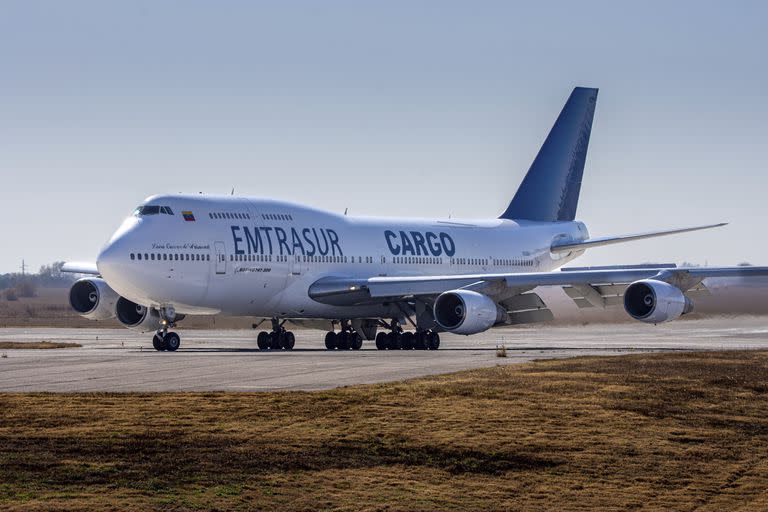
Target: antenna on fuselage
[[346, 210], [233, 191]]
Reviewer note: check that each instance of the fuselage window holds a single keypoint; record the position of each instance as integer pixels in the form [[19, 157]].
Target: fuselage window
[[133, 256], [153, 256], [139, 255]]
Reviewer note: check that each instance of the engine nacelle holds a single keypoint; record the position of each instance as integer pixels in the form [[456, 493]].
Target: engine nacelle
[[652, 301], [137, 317], [466, 312], [93, 298]]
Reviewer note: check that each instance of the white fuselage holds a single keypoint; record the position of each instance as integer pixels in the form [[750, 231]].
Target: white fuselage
[[258, 257]]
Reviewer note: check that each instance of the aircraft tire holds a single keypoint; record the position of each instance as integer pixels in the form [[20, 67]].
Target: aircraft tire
[[420, 342], [393, 341], [158, 342], [288, 340], [381, 341], [330, 340], [262, 340], [433, 340], [343, 340], [274, 340], [407, 341], [172, 341], [357, 341]]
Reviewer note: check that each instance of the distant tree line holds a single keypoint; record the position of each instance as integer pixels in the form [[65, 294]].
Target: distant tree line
[[16, 284]]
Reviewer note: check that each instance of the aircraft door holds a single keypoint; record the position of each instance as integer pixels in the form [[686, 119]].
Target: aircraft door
[[221, 257]]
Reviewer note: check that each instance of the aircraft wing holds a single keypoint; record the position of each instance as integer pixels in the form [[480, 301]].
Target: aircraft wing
[[590, 283], [80, 267], [567, 246]]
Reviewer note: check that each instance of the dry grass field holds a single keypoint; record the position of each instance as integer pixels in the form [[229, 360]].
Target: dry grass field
[[669, 431], [13, 345]]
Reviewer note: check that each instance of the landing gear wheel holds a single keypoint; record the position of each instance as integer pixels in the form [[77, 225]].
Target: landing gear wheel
[[330, 340], [172, 341], [158, 342], [262, 340], [433, 340], [394, 341], [420, 340], [276, 340], [343, 340], [357, 341], [381, 341], [407, 341], [288, 340]]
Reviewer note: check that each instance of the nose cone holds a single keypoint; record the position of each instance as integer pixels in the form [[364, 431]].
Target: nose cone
[[114, 260]]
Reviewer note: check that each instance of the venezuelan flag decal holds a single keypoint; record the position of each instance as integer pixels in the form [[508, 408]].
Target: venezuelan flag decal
[[188, 216]]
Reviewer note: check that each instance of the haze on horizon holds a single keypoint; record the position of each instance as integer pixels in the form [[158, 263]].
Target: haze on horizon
[[393, 108]]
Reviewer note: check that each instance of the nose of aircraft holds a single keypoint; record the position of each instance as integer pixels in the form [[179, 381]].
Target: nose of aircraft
[[113, 260]]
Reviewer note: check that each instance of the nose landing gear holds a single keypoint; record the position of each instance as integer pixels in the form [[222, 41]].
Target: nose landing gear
[[169, 341], [163, 339]]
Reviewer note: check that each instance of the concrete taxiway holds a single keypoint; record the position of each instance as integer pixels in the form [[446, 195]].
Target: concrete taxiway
[[121, 360]]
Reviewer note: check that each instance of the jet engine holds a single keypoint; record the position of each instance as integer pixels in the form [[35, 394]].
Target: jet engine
[[93, 298], [466, 312], [137, 317], [653, 302]]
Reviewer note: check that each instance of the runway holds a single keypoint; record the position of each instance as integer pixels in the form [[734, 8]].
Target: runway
[[120, 360]]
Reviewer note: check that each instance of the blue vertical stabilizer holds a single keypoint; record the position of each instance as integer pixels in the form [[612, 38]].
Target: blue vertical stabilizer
[[550, 189]]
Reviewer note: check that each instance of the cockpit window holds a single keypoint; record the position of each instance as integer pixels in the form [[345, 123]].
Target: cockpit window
[[149, 209]]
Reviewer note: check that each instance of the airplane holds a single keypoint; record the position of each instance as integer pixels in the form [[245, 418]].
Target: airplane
[[397, 281]]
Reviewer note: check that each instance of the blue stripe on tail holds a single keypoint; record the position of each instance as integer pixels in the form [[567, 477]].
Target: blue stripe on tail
[[550, 189]]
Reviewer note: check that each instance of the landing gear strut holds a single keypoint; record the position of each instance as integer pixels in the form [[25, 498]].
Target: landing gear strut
[[347, 338], [278, 339]]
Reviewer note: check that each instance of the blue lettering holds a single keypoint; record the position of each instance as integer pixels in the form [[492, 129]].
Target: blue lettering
[[445, 240], [434, 247], [305, 232], [253, 241], [407, 245], [334, 238], [281, 240], [237, 240], [393, 248], [418, 240], [296, 242], [269, 237], [323, 251]]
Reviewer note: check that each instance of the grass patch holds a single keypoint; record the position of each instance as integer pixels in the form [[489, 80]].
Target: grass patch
[[10, 345], [667, 431]]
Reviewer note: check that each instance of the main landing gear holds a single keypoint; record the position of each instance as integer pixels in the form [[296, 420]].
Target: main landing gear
[[278, 339], [398, 340], [346, 339]]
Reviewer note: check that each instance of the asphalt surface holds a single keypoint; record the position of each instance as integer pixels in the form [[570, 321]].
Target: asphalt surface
[[121, 360]]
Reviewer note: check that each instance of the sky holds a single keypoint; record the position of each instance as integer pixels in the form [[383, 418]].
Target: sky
[[412, 108]]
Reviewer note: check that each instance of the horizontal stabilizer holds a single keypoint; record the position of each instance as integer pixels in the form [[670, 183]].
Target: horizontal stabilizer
[[567, 246]]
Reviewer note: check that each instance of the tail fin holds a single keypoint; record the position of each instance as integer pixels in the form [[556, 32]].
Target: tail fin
[[550, 189]]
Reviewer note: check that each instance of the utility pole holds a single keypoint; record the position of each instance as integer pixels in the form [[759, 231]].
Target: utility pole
[[23, 267]]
